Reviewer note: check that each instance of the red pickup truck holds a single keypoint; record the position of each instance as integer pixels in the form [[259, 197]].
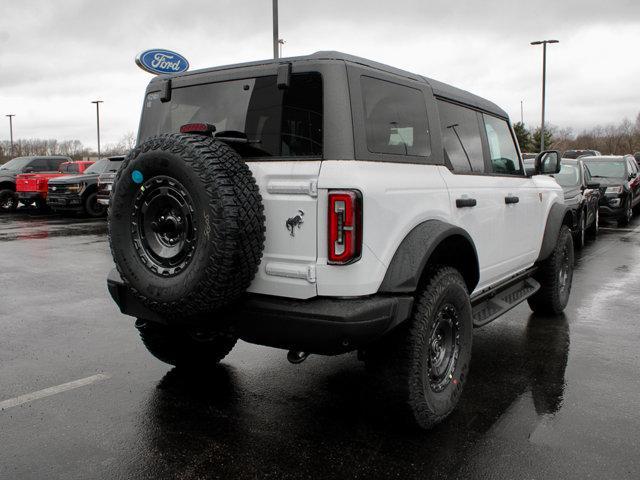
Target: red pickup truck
[[32, 188]]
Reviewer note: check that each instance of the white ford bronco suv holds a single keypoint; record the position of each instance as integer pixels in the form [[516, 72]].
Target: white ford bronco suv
[[325, 204]]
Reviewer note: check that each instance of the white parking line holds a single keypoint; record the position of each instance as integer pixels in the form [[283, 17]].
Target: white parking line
[[47, 392]]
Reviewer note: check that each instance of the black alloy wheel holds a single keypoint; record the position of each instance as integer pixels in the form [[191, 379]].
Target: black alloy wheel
[[163, 226], [444, 348]]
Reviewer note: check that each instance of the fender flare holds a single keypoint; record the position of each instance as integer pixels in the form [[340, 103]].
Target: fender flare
[[409, 261], [555, 220]]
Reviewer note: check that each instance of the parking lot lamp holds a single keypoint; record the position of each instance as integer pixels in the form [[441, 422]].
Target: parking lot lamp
[[544, 81], [98, 102], [11, 115], [275, 29]]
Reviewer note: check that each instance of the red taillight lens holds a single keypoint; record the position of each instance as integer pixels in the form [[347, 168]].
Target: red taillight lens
[[201, 128], [345, 226]]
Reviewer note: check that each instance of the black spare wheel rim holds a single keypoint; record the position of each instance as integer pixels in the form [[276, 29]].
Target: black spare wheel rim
[[443, 348], [164, 227]]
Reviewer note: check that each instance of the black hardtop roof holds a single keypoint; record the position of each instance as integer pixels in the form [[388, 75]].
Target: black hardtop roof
[[439, 89]]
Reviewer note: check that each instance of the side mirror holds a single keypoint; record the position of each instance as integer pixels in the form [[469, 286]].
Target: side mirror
[[632, 176], [593, 186], [547, 163]]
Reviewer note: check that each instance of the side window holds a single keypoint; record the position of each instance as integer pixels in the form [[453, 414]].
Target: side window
[[502, 149], [54, 164], [39, 165], [461, 138], [395, 118]]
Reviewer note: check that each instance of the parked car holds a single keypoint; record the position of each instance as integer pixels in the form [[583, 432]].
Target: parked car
[[619, 185], [573, 154], [10, 170], [79, 193], [582, 196], [32, 188], [327, 204]]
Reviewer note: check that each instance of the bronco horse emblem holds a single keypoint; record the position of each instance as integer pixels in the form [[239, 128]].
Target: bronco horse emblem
[[294, 222]]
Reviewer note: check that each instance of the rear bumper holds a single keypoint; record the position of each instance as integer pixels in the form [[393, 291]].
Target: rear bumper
[[65, 202], [319, 325]]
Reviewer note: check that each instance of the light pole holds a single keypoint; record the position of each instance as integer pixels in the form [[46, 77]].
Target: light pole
[[98, 102], [544, 83], [11, 115], [275, 29], [522, 112]]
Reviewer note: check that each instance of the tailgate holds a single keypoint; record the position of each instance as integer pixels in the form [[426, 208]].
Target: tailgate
[[289, 196], [27, 183]]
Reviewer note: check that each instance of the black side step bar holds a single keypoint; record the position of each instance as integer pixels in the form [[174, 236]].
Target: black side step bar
[[502, 300]]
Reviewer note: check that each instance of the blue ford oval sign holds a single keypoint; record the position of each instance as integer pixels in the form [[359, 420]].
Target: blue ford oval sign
[[161, 61]]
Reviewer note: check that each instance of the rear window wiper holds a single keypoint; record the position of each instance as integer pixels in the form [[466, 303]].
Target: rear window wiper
[[234, 136]]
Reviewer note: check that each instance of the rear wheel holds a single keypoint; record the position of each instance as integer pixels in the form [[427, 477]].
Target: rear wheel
[[182, 347], [8, 200], [425, 361], [555, 275]]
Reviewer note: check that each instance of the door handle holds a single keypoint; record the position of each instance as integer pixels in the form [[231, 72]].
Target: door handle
[[465, 202], [511, 199]]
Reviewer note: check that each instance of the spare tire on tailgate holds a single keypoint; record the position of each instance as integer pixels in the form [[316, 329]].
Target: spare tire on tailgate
[[186, 224]]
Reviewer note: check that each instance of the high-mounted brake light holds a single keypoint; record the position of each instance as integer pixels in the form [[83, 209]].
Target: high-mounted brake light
[[200, 128], [345, 226]]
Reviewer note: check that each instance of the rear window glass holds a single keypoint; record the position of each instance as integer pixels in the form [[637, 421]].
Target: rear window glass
[[69, 168], [395, 118], [256, 117]]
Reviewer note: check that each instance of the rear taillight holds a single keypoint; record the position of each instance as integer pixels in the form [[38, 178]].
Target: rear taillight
[[345, 226]]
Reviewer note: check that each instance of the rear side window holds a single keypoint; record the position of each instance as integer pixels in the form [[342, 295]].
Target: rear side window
[[256, 117], [69, 168], [502, 149], [40, 165], [461, 138], [395, 118]]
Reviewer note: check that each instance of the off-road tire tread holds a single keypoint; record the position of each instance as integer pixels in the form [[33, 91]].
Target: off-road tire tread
[[400, 354], [547, 299], [177, 347], [227, 177]]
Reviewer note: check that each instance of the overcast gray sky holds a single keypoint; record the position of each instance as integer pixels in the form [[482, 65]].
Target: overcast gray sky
[[57, 56]]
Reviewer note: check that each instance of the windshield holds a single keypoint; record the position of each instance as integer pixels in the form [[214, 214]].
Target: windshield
[[104, 165], [607, 169], [254, 115], [16, 164], [569, 176]]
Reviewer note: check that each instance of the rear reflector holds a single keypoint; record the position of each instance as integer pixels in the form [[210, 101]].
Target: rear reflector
[[345, 226], [199, 128]]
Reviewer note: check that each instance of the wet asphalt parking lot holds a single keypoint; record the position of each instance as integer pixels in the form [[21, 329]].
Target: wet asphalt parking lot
[[554, 397]]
